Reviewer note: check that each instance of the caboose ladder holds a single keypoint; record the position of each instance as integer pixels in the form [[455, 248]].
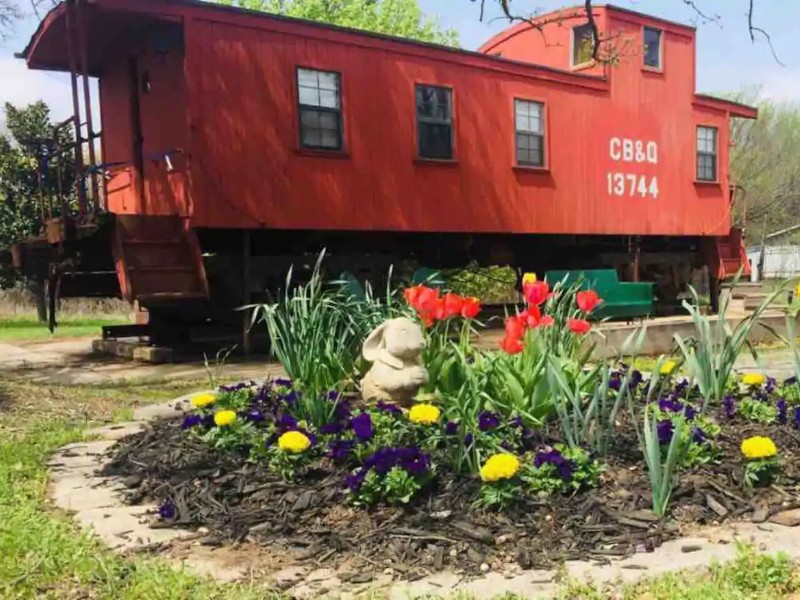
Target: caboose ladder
[[158, 258]]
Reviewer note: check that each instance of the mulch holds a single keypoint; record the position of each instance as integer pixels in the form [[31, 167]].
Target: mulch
[[310, 521]]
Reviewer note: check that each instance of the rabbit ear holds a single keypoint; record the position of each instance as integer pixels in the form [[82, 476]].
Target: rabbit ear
[[374, 344]]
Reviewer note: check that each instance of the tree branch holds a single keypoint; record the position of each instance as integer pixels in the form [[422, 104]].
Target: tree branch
[[753, 29]]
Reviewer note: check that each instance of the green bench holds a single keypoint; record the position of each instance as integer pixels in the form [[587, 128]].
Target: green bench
[[621, 299]]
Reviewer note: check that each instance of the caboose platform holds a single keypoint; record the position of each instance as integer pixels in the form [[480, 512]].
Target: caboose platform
[[659, 339]]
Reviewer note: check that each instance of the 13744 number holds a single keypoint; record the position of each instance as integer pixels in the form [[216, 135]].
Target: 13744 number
[[628, 184]]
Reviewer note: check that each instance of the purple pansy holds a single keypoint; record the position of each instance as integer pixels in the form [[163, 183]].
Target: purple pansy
[[190, 421], [166, 510], [331, 428], [389, 408], [254, 416], [283, 382], [451, 428], [729, 406], [796, 417], [664, 429], [362, 427], [782, 411], [615, 381], [354, 480], [669, 404], [636, 378], [553, 457], [488, 420], [770, 385], [385, 459], [699, 436], [468, 439], [286, 422], [340, 449]]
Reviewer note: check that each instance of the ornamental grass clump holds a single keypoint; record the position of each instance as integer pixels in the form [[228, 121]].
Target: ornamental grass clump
[[662, 467], [587, 403], [709, 356], [761, 462], [316, 332]]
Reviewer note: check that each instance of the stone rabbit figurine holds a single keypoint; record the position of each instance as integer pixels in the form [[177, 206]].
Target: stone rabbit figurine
[[395, 351]]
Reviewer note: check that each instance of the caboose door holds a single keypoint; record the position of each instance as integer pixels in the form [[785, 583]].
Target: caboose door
[[164, 125]]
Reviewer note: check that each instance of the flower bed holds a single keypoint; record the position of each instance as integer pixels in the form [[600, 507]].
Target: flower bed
[[524, 456]]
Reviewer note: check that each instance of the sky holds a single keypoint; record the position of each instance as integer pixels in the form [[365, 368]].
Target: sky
[[727, 59]]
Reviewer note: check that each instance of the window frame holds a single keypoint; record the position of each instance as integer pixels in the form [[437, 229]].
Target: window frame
[[302, 146], [572, 56], [545, 164], [698, 153], [645, 66], [419, 119]]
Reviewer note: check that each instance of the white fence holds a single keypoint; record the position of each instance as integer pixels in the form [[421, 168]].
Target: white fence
[[779, 262]]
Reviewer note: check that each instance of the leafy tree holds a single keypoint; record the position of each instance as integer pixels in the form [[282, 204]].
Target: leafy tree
[[765, 163], [402, 18]]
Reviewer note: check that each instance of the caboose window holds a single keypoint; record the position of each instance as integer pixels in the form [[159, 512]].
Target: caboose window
[[434, 122], [582, 44], [320, 108], [529, 125], [706, 153], [652, 47]]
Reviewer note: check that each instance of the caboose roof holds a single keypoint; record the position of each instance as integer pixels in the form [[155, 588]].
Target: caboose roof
[[110, 26], [110, 23]]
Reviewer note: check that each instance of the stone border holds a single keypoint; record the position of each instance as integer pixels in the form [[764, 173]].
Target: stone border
[[97, 506]]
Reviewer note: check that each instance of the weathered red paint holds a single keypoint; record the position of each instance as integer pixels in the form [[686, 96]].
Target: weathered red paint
[[224, 111]]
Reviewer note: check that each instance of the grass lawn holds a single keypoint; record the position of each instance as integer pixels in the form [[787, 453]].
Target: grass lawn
[[45, 556], [28, 328]]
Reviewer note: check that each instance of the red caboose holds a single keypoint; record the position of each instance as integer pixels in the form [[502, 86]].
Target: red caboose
[[234, 142]]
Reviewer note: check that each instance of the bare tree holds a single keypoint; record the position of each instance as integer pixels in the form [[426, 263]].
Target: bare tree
[[10, 13], [702, 14]]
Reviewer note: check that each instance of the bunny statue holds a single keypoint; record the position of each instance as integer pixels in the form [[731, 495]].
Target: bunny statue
[[395, 351]]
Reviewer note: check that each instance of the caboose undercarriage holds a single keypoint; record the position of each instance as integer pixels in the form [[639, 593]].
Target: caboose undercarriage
[[191, 282]]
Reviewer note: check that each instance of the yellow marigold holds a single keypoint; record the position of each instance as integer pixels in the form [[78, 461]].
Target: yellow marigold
[[758, 447], [203, 400], [294, 442], [500, 466], [753, 379], [797, 290], [224, 418], [668, 367], [529, 278], [424, 414]]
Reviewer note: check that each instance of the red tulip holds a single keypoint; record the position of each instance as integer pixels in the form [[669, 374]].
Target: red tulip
[[453, 303], [511, 345], [439, 311], [536, 293], [579, 326], [470, 308], [515, 327], [426, 300], [532, 316], [547, 321], [587, 300]]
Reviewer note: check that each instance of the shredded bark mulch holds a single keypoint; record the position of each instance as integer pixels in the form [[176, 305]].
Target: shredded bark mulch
[[310, 521]]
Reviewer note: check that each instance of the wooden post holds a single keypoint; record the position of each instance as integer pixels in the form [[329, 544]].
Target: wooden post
[[246, 252], [87, 102], [76, 110]]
